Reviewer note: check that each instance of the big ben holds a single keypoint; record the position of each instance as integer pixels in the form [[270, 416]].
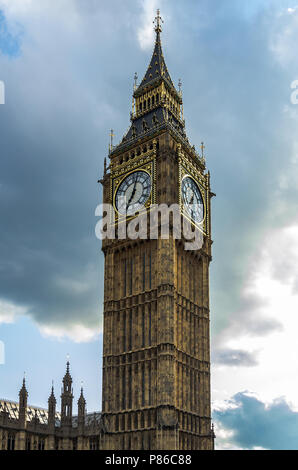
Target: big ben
[[156, 348]]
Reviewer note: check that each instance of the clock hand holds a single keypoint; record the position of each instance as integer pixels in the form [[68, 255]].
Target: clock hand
[[132, 194], [191, 203]]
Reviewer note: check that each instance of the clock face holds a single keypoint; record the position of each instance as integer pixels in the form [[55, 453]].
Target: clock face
[[133, 193], [192, 199]]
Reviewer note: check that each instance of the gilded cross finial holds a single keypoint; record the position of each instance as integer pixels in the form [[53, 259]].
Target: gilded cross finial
[[158, 20], [180, 86], [135, 80], [112, 135], [203, 148]]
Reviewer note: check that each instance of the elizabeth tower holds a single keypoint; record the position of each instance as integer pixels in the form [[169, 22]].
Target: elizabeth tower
[[156, 351]]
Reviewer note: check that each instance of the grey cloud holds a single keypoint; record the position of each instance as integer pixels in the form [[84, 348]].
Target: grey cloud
[[233, 357], [254, 424], [64, 95]]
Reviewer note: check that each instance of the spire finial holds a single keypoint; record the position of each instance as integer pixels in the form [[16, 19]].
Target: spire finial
[[157, 21], [67, 363], [112, 135], [135, 80], [180, 86], [203, 148]]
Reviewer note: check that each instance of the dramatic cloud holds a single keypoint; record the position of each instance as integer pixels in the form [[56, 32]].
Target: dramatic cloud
[[248, 423], [68, 69]]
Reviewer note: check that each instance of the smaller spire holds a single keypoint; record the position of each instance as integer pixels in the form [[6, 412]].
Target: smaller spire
[[180, 86], [52, 396], [135, 81], [82, 398], [112, 135], [23, 390], [203, 148], [157, 21]]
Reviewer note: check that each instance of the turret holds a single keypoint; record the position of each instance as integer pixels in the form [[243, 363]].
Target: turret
[[66, 399], [23, 398], [52, 408], [81, 410]]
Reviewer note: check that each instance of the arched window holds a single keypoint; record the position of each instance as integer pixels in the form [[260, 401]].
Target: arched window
[[11, 441], [143, 384], [28, 443], [41, 443], [142, 420]]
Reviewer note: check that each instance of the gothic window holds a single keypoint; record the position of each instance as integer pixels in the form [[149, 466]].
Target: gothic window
[[149, 380], [157, 98], [124, 331], [131, 277], [130, 331], [145, 105], [136, 388], [129, 421], [129, 388], [143, 384], [136, 421], [93, 443], [124, 277], [56, 443], [123, 388], [143, 327], [150, 262], [149, 102], [28, 443], [41, 443], [149, 330], [144, 271], [11, 441]]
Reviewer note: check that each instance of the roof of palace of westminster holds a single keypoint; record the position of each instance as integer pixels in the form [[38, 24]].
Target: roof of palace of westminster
[[46, 429]]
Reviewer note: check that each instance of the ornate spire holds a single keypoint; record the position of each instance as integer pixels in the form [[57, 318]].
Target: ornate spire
[[23, 391], [66, 399], [81, 408], [157, 68], [157, 21], [52, 407], [52, 397], [156, 101], [23, 397], [81, 402], [67, 380]]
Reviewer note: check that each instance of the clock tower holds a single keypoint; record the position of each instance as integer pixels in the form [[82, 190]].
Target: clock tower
[[156, 349]]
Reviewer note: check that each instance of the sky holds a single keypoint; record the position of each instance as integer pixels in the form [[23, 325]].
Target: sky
[[68, 69]]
